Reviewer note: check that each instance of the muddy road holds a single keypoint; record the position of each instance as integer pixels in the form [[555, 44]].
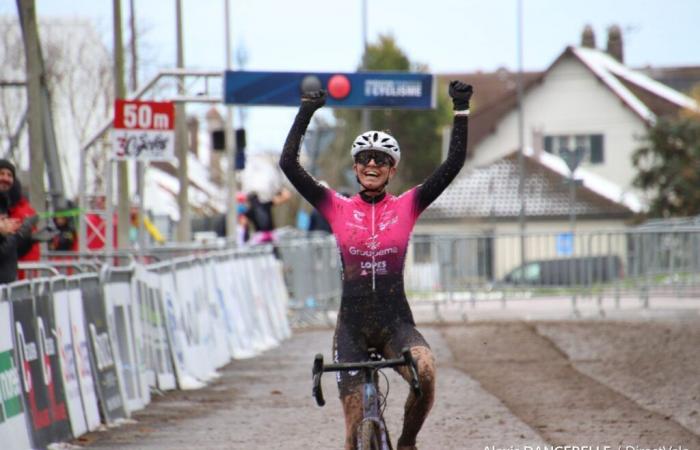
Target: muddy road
[[627, 385]]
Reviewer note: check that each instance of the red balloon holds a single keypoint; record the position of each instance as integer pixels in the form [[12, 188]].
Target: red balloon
[[339, 86]]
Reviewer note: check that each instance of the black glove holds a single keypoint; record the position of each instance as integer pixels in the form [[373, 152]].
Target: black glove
[[315, 99], [461, 93]]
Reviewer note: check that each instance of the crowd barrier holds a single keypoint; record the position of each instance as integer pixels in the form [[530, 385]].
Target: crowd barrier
[[82, 350], [313, 276]]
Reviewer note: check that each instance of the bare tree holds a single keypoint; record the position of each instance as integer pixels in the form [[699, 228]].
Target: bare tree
[[79, 77]]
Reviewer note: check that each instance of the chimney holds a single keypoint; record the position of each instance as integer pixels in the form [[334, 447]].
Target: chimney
[[588, 37], [615, 43], [193, 134]]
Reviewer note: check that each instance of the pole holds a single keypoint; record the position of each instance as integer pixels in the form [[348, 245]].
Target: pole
[[133, 85], [521, 135], [122, 166], [231, 201], [366, 119], [27, 14], [183, 226], [572, 203]]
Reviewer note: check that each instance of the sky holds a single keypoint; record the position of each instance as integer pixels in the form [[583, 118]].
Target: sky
[[450, 36]]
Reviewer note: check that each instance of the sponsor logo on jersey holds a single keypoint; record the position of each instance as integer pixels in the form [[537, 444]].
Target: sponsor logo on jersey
[[370, 253]]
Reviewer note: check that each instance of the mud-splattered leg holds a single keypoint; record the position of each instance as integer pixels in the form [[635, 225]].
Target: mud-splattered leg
[[352, 407], [417, 408]]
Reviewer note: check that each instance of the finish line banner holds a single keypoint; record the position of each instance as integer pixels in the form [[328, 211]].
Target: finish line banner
[[397, 90]]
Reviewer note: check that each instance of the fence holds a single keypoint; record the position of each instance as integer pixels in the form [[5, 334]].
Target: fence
[[79, 350], [609, 268], [447, 276], [312, 274]]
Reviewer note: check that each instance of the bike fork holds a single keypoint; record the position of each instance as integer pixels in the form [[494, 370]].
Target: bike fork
[[370, 406]]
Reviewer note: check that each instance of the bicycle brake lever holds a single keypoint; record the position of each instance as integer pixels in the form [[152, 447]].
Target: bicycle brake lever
[[317, 371], [411, 363]]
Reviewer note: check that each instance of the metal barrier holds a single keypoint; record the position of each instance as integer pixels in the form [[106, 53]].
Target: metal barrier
[[608, 267], [312, 274], [89, 347]]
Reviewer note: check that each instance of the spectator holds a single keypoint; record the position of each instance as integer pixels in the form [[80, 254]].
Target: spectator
[[19, 208], [66, 237], [12, 232], [242, 217], [260, 213]]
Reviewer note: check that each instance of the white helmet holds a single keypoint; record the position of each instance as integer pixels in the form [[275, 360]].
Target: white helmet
[[379, 141]]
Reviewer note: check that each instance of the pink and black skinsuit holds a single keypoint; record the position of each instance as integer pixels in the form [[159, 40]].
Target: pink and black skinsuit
[[372, 235]]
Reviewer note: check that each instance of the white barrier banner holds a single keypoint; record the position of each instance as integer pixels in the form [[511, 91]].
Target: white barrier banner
[[192, 295], [154, 343], [255, 273], [145, 376], [180, 322], [238, 328], [66, 356], [217, 315], [82, 359], [13, 423], [118, 306], [245, 301], [262, 338], [277, 296]]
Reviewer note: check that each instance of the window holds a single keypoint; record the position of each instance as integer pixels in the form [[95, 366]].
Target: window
[[592, 145], [422, 250]]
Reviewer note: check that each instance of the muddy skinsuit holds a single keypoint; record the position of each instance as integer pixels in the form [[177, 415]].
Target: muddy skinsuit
[[372, 235]]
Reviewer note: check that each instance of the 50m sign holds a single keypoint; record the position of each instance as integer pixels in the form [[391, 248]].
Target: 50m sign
[[143, 130]]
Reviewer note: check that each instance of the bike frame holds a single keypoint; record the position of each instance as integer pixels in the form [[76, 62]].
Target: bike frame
[[370, 404], [370, 393]]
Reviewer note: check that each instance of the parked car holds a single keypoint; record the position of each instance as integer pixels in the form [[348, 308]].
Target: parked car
[[567, 271]]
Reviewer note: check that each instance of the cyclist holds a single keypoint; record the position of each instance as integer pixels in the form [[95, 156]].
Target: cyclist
[[372, 229]]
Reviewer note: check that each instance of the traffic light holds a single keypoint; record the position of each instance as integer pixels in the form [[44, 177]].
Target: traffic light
[[240, 149], [218, 140]]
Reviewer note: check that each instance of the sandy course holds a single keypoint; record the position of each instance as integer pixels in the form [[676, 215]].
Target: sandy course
[[630, 385]]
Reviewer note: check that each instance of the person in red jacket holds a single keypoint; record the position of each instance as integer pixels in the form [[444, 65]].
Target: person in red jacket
[[18, 207]]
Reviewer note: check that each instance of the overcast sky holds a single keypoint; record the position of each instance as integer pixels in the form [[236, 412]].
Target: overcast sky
[[447, 35]]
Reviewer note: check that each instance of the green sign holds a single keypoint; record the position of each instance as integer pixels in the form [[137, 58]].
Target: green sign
[[10, 387]]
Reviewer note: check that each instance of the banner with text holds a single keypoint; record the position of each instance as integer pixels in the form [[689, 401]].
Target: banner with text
[[143, 130], [82, 358], [108, 388], [396, 90], [13, 422]]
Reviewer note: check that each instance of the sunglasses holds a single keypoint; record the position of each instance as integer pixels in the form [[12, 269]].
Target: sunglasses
[[380, 159]]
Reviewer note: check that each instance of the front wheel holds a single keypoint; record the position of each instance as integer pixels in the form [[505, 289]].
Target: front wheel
[[368, 437]]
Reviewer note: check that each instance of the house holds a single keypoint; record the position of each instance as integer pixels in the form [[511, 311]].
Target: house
[[586, 100]]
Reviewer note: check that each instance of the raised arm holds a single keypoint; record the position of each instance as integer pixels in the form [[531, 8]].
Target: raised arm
[[307, 186], [433, 186]]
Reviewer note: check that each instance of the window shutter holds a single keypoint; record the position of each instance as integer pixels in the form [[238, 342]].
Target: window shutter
[[597, 149], [548, 144]]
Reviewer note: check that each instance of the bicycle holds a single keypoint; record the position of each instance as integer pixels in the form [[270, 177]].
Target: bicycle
[[372, 433]]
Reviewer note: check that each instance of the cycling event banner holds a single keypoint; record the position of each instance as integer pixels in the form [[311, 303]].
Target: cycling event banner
[[51, 366], [143, 130], [48, 421], [13, 422], [400, 90], [108, 387]]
